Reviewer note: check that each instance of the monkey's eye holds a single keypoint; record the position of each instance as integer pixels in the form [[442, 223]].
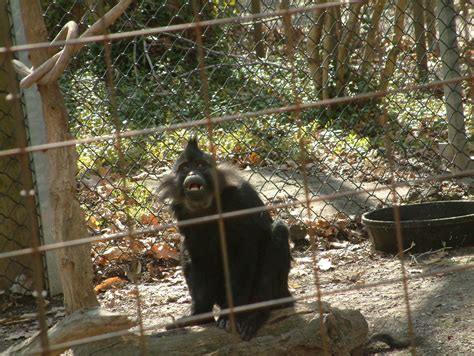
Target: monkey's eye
[[201, 165], [184, 166]]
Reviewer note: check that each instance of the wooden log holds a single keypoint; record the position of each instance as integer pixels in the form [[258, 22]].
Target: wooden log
[[291, 331], [76, 326]]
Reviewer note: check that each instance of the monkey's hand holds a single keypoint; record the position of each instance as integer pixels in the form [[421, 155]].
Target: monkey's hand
[[246, 326]]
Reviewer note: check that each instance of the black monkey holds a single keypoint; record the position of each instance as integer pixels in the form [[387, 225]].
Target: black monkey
[[258, 248]]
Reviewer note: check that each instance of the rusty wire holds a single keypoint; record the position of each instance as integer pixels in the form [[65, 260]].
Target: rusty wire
[[178, 27], [290, 49], [210, 125], [233, 117], [270, 303], [399, 238], [232, 214], [210, 121], [121, 166]]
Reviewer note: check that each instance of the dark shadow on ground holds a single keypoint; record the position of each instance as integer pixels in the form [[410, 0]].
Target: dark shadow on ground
[[442, 307]]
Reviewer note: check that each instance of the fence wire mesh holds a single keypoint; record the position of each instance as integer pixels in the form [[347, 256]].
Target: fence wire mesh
[[19, 221], [329, 111]]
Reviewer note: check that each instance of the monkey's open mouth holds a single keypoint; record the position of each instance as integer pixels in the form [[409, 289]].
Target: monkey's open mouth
[[194, 187]]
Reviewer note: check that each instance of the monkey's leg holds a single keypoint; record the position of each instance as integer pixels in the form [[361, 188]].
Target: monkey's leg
[[273, 279], [243, 271], [203, 295]]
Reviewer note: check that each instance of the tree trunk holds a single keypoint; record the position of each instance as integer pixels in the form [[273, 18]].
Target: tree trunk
[[84, 323], [398, 30], [450, 58], [74, 262], [329, 45], [466, 16], [430, 25], [343, 47], [420, 40], [312, 49], [19, 212], [369, 53], [258, 31]]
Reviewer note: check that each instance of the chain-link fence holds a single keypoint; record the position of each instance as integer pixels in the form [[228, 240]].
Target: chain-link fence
[[19, 218], [329, 110], [339, 52]]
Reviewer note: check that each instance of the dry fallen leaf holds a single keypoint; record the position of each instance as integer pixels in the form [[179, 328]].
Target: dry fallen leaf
[[115, 253], [149, 219], [357, 277], [109, 283], [103, 171], [92, 223], [136, 247], [164, 251], [253, 157]]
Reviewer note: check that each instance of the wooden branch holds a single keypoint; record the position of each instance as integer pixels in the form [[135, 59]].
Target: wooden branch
[[289, 332], [81, 324], [51, 69]]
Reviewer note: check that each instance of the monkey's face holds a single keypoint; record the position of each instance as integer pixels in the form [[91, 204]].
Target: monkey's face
[[191, 184], [193, 171], [196, 184]]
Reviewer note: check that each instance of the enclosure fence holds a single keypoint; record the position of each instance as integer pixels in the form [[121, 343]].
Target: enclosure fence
[[331, 109]]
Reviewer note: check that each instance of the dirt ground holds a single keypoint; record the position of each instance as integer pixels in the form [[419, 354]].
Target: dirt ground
[[442, 306]]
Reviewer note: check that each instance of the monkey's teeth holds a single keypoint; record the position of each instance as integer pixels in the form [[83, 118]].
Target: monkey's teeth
[[195, 187]]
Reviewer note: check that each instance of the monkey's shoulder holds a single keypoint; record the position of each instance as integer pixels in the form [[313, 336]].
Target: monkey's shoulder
[[241, 196]]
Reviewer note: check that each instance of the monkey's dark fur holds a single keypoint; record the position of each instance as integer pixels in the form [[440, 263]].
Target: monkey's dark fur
[[258, 249]]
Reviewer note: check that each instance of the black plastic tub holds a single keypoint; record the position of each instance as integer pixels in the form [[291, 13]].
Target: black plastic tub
[[429, 225]]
